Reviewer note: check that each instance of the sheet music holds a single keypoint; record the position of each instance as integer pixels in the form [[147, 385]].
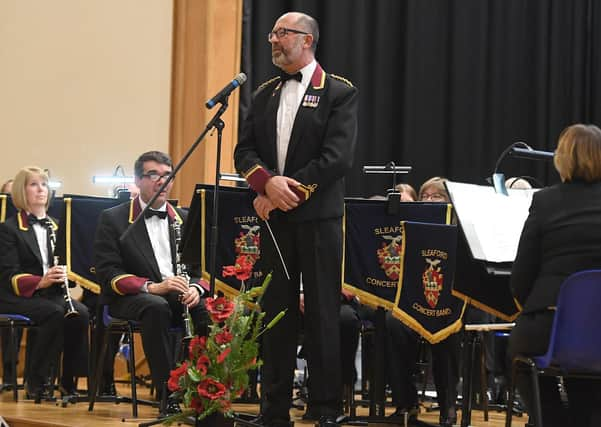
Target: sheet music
[[492, 223]]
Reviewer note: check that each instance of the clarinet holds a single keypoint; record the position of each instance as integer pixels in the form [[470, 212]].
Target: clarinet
[[69, 308], [181, 271]]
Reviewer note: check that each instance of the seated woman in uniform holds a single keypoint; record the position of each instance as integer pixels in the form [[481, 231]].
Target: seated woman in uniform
[[30, 285], [561, 236]]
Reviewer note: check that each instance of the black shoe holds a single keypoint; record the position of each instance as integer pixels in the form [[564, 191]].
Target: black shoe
[[328, 421], [34, 392], [68, 391], [263, 422], [108, 390]]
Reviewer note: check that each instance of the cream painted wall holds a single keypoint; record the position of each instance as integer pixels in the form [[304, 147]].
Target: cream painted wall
[[84, 86]]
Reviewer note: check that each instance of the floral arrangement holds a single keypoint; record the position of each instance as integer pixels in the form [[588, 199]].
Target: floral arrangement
[[216, 370]]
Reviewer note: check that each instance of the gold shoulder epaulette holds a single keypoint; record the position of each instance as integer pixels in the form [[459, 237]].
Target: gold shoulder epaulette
[[262, 85], [342, 79]]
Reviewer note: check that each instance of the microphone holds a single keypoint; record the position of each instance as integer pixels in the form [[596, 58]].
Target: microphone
[[529, 153], [224, 93]]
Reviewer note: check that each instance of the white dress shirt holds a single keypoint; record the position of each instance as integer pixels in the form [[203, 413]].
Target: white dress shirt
[[158, 232], [290, 99], [41, 236]]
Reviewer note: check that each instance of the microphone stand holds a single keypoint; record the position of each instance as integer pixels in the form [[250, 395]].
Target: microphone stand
[[218, 124]]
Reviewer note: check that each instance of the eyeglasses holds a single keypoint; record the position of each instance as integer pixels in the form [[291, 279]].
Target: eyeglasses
[[434, 196], [154, 177], [282, 32]]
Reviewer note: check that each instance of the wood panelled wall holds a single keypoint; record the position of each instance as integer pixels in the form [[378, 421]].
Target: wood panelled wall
[[207, 38]]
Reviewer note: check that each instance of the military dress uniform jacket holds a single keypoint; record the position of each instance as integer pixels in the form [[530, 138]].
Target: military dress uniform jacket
[[562, 235], [123, 266], [321, 147]]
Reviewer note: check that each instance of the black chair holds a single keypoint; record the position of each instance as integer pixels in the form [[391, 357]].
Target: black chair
[[117, 326], [13, 322], [575, 343]]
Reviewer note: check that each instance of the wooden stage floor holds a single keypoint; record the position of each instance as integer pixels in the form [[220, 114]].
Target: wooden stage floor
[[49, 414]]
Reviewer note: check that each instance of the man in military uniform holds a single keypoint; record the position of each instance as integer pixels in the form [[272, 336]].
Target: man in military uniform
[[295, 148]]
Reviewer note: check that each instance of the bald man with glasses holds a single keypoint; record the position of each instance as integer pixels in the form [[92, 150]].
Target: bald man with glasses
[[296, 145]]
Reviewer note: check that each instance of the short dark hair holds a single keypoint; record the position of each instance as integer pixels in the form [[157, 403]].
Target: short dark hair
[[156, 156], [310, 25]]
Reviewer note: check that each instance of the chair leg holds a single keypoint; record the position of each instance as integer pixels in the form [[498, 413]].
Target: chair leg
[[132, 363], [95, 379], [538, 416], [511, 394], [13, 356], [483, 379]]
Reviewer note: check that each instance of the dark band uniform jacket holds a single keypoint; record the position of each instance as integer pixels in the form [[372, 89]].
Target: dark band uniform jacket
[[561, 236], [124, 265], [321, 145], [319, 154], [125, 261]]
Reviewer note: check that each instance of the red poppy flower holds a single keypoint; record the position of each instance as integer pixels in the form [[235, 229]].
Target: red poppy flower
[[219, 308], [176, 374], [242, 269], [196, 345], [224, 336], [202, 364], [223, 355], [210, 389]]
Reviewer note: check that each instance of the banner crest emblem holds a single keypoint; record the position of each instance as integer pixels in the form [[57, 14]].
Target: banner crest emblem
[[389, 256], [432, 279]]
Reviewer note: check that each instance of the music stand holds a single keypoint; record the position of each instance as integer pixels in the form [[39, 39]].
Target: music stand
[[490, 224], [377, 395]]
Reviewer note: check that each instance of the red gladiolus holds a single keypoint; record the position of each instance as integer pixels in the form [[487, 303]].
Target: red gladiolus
[[219, 308], [202, 364], [224, 337], [223, 355], [210, 389], [176, 374]]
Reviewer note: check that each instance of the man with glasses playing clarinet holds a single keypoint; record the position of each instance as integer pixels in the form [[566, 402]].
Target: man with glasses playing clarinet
[[137, 269]]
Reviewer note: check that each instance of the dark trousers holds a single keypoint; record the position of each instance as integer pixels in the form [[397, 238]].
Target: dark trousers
[[54, 333], [350, 328], [157, 313], [530, 337], [402, 347], [313, 249]]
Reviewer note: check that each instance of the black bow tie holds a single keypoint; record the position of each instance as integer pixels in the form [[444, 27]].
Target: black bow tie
[[32, 219], [285, 76], [151, 212]]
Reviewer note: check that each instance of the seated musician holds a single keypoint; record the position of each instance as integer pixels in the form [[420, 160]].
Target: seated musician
[[31, 285], [562, 235], [135, 267]]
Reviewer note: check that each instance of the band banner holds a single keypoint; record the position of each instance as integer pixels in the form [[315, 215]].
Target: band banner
[[373, 242], [239, 233], [75, 240], [424, 300]]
